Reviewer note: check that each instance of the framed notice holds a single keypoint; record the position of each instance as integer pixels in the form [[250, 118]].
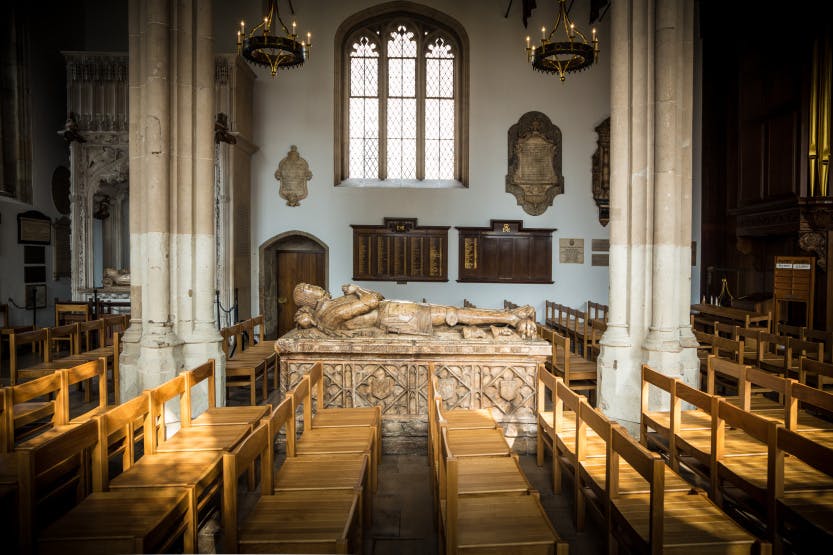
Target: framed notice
[[571, 251], [34, 228], [795, 278]]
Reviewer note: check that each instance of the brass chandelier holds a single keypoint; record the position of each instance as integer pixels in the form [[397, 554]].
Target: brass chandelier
[[573, 53], [261, 47]]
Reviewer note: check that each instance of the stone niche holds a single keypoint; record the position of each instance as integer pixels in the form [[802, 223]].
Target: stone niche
[[392, 372]]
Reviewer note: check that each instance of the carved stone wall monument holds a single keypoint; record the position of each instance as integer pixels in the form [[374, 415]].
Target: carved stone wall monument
[[601, 171], [534, 175], [293, 173]]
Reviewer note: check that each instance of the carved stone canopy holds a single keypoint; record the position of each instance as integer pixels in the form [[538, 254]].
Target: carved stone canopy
[[601, 171], [534, 175]]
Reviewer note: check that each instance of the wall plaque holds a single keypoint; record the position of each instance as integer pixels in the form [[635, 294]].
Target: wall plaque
[[505, 252], [534, 175], [293, 173], [34, 228], [400, 250], [571, 251]]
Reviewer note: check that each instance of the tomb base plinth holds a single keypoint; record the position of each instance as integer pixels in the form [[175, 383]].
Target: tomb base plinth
[[392, 372]]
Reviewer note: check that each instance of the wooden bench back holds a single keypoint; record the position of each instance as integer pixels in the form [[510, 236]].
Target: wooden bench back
[[301, 397], [71, 312], [801, 394], [316, 383], [255, 446], [56, 409], [281, 416], [790, 330], [546, 382], [194, 377], [560, 353], [758, 427], [37, 484], [89, 329], [751, 338], [39, 340], [159, 396], [727, 371], [728, 331], [813, 453], [597, 311], [588, 416], [87, 372], [226, 335], [821, 336], [650, 466], [67, 332], [259, 323], [772, 344], [819, 369], [704, 339], [564, 398], [448, 484], [550, 312], [650, 377], [121, 425], [728, 348], [701, 400], [803, 348], [762, 381]]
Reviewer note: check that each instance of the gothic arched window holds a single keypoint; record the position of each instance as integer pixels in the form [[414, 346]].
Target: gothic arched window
[[401, 100]]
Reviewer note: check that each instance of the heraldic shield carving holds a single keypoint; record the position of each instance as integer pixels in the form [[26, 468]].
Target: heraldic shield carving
[[293, 173], [534, 175]]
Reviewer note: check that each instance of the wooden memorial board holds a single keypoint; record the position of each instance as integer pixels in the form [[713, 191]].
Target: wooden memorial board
[[505, 252], [794, 282], [400, 250]]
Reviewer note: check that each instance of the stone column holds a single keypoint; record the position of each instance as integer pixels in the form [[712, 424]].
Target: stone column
[[647, 239], [171, 77]]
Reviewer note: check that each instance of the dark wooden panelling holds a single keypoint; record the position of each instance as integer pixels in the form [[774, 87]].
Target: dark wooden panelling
[[505, 252]]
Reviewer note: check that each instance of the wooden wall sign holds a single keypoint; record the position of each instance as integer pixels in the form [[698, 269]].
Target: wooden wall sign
[[400, 250], [505, 252], [794, 282]]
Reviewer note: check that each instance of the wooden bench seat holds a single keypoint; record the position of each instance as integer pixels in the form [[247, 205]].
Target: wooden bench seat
[[214, 415], [346, 472], [100, 524], [198, 473], [332, 441], [578, 374], [501, 520], [342, 417], [188, 437], [293, 521], [661, 521]]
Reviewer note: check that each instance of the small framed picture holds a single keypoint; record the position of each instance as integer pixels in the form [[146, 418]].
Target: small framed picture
[[36, 296], [34, 228]]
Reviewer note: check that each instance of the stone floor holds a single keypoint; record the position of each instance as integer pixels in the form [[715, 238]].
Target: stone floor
[[403, 518]]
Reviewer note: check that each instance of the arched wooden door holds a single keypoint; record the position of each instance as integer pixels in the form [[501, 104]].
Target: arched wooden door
[[298, 259]]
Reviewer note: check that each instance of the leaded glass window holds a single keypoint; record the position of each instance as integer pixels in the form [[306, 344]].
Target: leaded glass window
[[402, 119]]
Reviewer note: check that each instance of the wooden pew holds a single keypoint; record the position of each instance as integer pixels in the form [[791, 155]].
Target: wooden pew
[[595, 331], [591, 480], [488, 523], [751, 474], [215, 415], [242, 371], [258, 346], [773, 353], [473, 442], [35, 411], [188, 438], [343, 417], [578, 374], [52, 476], [90, 374], [331, 441], [197, 473], [39, 341], [821, 336], [295, 521], [803, 517], [822, 372], [349, 472], [660, 521], [566, 403]]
